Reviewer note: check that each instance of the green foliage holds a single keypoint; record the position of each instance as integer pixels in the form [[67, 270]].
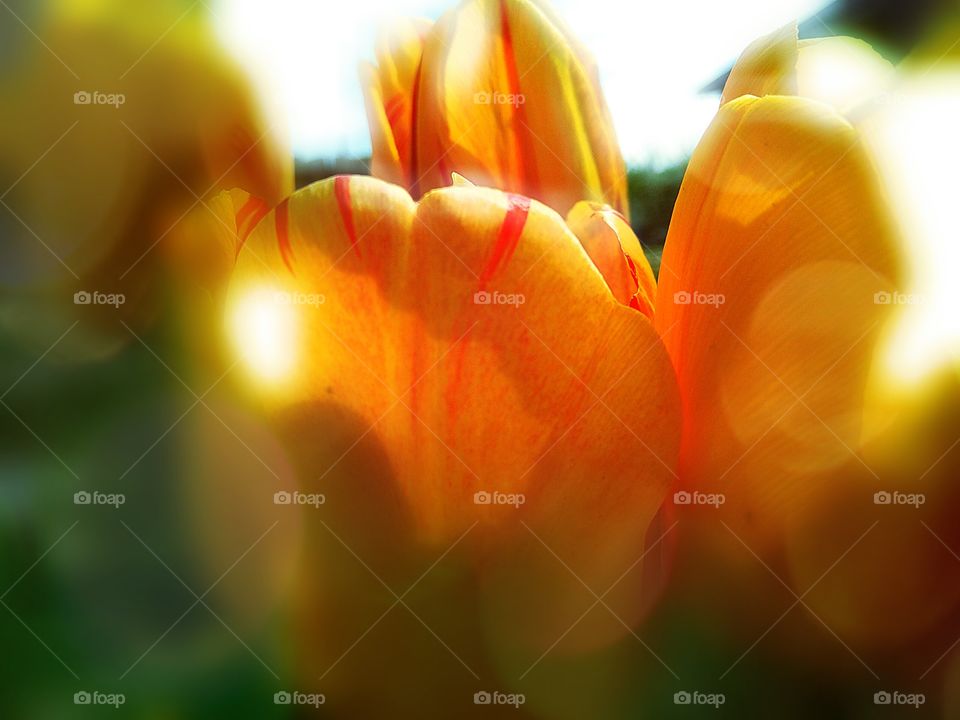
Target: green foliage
[[652, 194]]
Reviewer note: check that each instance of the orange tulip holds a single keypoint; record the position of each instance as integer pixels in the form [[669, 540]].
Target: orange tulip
[[500, 92], [430, 319], [780, 245], [473, 343], [483, 362], [767, 309], [898, 585]]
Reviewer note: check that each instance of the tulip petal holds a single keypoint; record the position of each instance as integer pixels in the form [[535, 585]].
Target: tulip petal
[[390, 90], [385, 162], [840, 71], [460, 181], [242, 149], [224, 222], [771, 301], [482, 353], [616, 251], [766, 67], [483, 287], [507, 101]]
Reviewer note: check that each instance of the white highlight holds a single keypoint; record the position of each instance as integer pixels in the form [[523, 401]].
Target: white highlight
[[264, 330], [915, 142]]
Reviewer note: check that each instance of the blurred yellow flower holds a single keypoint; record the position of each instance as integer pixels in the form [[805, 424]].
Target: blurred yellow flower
[[128, 117]]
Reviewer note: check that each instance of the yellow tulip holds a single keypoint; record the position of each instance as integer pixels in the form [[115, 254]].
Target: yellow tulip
[[781, 244], [129, 119], [499, 92], [841, 71], [899, 582]]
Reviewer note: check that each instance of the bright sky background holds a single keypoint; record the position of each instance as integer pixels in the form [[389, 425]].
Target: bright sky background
[[654, 56]]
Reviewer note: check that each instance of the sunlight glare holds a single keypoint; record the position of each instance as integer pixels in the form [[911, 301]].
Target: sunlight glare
[[264, 329], [841, 72], [915, 144]]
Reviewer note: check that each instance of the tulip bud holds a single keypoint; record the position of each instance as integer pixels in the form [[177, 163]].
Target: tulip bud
[[501, 94]]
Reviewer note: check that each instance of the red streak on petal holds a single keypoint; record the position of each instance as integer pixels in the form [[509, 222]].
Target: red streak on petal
[[633, 269], [414, 161], [341, 188], [393, 109], [282, 215], [252, 212], [641, 304], [417, 367], [249, 207], [517, 211], [523, 142], [452, 394]]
